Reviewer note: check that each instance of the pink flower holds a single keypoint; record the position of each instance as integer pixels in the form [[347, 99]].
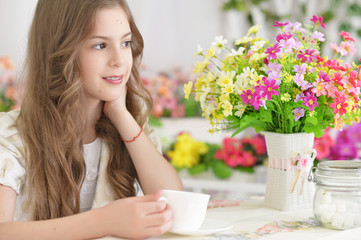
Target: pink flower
[[323, 146], [247, 159], [347, 48], [259, 145], [246, 96], [339, 106], [279, 24], [307, 56], [346, 36], [269, 89], [310, 101], [272, 51], [318, 20]]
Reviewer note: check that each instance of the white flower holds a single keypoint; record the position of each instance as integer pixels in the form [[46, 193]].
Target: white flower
[[257, 45], [199, 50], [240, 110], [235, 53], [219, 43]]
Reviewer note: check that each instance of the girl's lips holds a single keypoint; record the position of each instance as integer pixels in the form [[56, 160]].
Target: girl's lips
[[114, 79]]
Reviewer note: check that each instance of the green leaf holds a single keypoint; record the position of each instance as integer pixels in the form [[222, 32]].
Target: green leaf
[[198, 169], [154, 122], [311, 120], [221, 170], [246, 169], [317, 130], [266, 115]]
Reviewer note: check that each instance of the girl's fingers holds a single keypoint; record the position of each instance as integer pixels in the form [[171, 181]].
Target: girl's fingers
[[156, 230], [160, 218], [149, 208], [150, 197]]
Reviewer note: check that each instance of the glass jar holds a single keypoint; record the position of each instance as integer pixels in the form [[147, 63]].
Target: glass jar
[[337, 200]]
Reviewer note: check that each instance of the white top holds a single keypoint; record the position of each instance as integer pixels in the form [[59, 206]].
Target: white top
[[13, 165], [92, 157]]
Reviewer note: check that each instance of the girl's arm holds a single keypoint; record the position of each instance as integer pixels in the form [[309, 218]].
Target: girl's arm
[[136, 217], [154, 171]]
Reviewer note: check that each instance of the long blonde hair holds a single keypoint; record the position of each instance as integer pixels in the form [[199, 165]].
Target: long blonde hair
[[51, 119]]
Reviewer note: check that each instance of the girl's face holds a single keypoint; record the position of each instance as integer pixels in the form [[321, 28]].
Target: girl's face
[[106, 57]]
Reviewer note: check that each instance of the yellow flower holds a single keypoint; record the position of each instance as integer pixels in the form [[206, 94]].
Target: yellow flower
[[227, 108], [253, 29], [243, 40], [228, 89], [188, 89], [200, 82], [223, 98], [187, 151], [285, 97], [211, 52], [200, 66], [225, 79]]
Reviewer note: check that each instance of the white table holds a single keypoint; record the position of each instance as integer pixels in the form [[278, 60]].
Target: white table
[[252, 220]]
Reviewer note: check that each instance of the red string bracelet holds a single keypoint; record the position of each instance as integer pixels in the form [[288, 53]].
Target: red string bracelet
[[141, 130]]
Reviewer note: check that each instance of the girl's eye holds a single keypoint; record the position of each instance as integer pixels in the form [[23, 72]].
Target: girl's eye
[[126, 44], [100, 46]]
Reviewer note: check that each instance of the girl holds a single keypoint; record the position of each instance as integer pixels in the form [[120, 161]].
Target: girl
[[80, 140]]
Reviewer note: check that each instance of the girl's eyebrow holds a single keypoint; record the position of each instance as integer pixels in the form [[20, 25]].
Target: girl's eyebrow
[[107, 38]]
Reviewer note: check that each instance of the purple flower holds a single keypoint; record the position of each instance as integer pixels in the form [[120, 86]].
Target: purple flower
[[299, 80], [299, 97], [298, 112], [354, 132], [310, 101], [274, 67], [305, 85], [344, 151], [300, 69], [288, 45], [306, 56], [275, 76], [318, 36], [272, 51], [269, 89], [246, 96], [296, 27]]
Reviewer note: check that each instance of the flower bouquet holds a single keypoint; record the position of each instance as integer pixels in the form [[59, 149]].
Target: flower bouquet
[[285, 89]]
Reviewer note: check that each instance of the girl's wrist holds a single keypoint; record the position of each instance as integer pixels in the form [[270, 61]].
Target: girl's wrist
[[100, 215]]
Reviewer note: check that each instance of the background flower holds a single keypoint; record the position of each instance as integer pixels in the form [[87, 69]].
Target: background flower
[[10, 92]]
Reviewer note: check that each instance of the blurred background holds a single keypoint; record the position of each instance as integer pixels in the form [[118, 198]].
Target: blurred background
[[172, 29]]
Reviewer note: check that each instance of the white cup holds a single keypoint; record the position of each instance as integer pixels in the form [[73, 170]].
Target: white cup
[[189, 208]]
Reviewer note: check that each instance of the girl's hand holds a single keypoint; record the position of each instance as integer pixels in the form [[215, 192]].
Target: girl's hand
[[138, 217], [114, 108]]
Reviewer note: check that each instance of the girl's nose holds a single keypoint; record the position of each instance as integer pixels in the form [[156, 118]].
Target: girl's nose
[[115, 59]]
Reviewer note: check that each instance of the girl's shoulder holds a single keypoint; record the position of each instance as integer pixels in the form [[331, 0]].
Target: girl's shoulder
[[7, 122], [9, 134]]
